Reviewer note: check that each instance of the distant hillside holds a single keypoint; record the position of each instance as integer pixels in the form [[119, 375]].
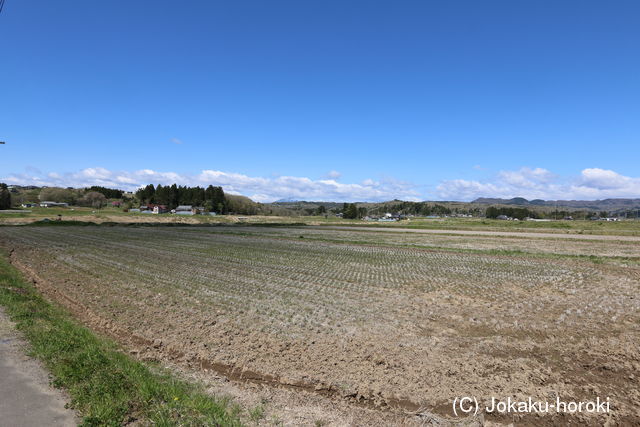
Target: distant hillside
[[287, 200], [292, 207], [301, 206], [606, 204]]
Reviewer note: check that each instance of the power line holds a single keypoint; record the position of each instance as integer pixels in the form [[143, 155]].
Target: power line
[[1, 5]]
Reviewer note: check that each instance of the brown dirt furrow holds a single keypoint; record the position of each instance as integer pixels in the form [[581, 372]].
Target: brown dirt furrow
[[156, 351], [386, 329]]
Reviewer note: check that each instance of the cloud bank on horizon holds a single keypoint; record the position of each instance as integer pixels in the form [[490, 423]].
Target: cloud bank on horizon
[[259, 189], [539, 183], [530, 183]]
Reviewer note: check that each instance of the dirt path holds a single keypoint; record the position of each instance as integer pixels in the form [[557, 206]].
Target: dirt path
[[27, 397], [489, 233]]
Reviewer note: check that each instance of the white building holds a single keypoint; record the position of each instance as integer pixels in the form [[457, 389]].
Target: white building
[[53, 205]]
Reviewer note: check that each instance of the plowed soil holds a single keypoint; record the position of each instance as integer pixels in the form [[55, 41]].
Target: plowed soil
[[383, 329]]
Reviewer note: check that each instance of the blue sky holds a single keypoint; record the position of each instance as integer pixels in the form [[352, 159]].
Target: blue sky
[[331, 100]]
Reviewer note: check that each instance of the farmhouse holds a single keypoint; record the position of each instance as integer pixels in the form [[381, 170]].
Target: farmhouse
[[159, 209], [184, 210], [53, 205]]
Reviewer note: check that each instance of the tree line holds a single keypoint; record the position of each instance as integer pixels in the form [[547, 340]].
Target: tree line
[[109, 193], [5, 197], [211, 198], [520, 213], [419, 209]]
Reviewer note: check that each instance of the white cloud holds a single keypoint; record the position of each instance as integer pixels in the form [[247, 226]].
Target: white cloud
[[527, 177], [603, 179], [176, 141], [531, 183], [461, 189], [334, 174], [95, 173], [258, 188], [539, 183]]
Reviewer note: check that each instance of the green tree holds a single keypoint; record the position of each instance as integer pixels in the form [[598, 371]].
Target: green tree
[[218, 199], [173, 197], [109, 193], [351, 211], [492, 212], [5, 197], [162, 195], [146, 194]]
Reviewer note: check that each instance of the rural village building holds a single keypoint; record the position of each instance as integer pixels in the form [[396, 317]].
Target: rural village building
[[184, 210], [159, 209], [53, 205]]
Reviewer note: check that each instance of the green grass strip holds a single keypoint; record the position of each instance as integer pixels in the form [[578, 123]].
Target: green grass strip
[[106, 386]]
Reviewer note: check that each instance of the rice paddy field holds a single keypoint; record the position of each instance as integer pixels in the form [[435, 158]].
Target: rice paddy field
[[398, 323]]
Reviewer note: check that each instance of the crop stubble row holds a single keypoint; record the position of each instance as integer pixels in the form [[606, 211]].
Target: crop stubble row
[[377, 322]]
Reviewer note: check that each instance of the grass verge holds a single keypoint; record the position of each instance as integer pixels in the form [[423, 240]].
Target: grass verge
[[106, 386]]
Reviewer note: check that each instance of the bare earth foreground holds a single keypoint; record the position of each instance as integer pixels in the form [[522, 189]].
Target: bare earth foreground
[[386, 327]]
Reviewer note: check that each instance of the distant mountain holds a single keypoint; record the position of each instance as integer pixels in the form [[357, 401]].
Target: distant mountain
[[606, 204], [287, 200], [495, 201]]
